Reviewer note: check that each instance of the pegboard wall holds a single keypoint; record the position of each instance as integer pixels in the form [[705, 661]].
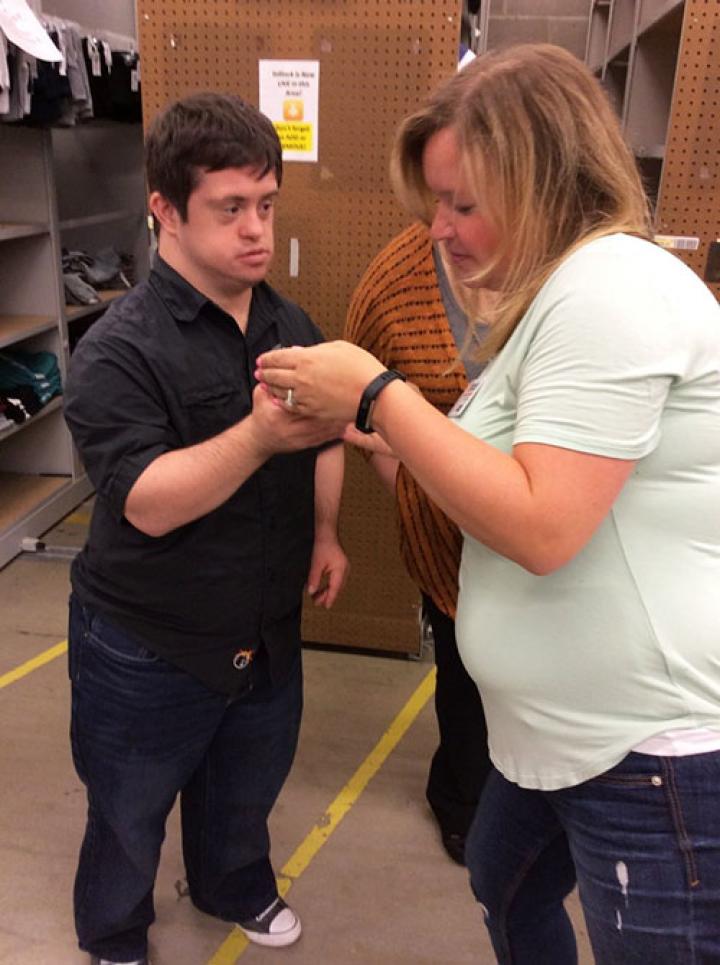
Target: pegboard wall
[[689, 200], [378, 59]]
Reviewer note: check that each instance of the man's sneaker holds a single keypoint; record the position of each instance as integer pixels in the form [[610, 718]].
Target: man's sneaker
[[278, 925], [94, 960]]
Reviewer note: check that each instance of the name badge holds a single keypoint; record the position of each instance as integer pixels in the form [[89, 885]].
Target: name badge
[[466, 398]]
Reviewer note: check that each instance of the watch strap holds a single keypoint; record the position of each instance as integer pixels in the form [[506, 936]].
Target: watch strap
[[367, 400]]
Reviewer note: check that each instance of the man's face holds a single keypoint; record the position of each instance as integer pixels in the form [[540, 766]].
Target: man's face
[[226, 242]]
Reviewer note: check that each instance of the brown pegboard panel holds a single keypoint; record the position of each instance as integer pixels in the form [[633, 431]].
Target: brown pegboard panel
[[689, 201], [378, 59]]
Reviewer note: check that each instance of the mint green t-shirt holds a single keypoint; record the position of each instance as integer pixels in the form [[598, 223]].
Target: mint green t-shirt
[[618, 355]]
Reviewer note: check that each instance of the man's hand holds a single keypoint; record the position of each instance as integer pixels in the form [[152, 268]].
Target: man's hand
[[369, 441], [275, 429], [329, 568], [327, 379], [185, 484]]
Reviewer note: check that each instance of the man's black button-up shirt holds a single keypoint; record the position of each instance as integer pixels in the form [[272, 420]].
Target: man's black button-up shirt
[[163, 369]]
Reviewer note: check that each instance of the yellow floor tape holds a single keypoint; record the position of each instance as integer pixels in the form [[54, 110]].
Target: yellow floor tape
[[25, 668], [236, 942], [78, 518]]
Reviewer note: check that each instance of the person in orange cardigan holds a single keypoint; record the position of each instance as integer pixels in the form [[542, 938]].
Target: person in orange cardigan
[[404, 312]]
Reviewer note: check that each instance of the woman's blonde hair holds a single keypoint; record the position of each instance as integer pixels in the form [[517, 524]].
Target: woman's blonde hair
[[543, 154]]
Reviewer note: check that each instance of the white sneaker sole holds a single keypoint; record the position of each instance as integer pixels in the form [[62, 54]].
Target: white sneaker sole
[[278, 940]]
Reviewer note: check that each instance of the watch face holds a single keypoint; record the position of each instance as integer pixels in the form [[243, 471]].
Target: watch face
[[364, 415]]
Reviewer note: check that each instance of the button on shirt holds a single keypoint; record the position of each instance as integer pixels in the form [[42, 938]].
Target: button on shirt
[[163, 369]]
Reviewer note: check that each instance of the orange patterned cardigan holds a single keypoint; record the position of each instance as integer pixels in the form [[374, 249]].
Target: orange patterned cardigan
[[397, 313]]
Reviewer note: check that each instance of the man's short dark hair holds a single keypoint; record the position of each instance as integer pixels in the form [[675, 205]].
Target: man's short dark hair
[[207, 132]]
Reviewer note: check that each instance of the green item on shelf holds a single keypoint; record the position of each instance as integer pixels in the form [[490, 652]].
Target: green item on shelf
[[38, 370]]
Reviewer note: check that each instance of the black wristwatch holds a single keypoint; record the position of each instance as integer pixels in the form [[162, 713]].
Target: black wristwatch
[[363, 419]]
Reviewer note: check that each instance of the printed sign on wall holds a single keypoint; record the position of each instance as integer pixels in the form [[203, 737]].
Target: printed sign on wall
[[289, 97]]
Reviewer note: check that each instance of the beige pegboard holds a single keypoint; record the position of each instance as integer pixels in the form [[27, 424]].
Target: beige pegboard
[[378, 58], [689, 202]]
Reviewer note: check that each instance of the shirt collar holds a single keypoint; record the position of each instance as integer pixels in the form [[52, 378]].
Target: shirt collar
[[183, 300]]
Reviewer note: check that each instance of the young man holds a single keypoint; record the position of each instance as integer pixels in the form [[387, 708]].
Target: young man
[[213, 511], [404, 312]]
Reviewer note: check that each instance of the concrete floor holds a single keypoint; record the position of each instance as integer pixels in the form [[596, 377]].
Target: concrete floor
[[380, 891]]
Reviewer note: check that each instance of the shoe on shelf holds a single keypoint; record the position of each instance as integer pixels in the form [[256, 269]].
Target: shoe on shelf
[[277, 926], [454, 844]]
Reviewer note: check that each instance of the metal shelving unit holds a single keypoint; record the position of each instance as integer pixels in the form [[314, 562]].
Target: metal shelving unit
[[660, 62], [633, 46], [81, 187]]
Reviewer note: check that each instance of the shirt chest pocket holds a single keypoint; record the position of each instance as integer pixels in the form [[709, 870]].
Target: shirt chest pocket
[[210, 409]]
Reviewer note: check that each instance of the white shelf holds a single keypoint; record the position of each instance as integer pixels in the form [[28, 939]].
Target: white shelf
[[74, 312], [31, 504], [651, 16], [9, 230], [20, 492], [102, 218], [620, 51], [632, 19], [653, 151], [16, 328], [96, 180], [52, 406], [633, 46]]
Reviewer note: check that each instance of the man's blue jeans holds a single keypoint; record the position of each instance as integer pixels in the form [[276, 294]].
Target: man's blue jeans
[[643, 842], [144, 731]]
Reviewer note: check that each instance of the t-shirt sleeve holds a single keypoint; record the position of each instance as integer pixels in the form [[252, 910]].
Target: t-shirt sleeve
[[116, 415], [597, 373]]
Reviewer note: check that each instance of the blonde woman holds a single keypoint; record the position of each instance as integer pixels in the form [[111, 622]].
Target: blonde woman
[[583, 468]]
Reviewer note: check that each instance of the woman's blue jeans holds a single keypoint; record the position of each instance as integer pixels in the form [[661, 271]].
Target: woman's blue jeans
[[143, 732], [643, 843]]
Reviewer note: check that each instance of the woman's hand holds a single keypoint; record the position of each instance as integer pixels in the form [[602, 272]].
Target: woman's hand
[[326, 380]]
